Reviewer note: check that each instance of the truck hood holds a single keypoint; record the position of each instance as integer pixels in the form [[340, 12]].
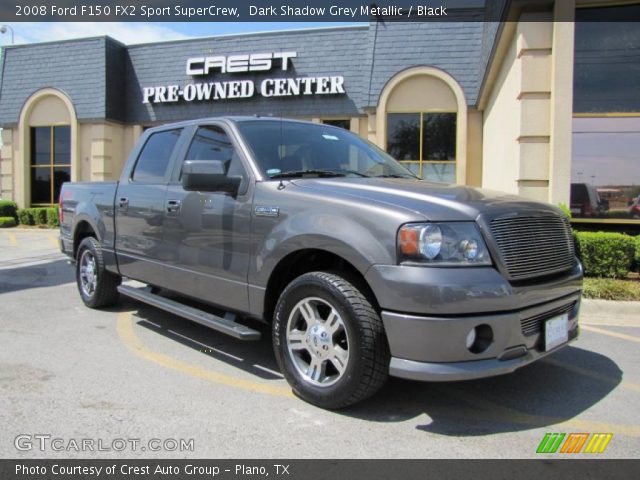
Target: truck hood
[[427, 200]]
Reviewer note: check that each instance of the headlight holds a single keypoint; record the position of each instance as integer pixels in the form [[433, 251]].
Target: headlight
[[443, 244]]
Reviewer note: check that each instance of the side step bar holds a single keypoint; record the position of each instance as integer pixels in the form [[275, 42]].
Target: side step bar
[[223, 325]]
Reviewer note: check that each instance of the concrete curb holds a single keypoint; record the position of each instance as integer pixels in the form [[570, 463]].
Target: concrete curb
[[606, 312]]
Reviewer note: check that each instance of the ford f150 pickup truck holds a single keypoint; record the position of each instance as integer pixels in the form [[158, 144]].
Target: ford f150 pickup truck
[[362, 269]]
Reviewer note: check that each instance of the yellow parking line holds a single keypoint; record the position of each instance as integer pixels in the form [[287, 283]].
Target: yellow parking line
[[53, 241], [623, 336], [12, 239], [133, 343]]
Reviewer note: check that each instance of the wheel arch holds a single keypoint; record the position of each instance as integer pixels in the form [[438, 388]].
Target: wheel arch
[[308, 260], [82, 230]]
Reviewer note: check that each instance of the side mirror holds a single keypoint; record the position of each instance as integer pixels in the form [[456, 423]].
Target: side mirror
[[208, 176]]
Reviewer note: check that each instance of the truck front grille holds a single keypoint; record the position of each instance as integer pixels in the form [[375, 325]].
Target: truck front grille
[[533, 246], [533, 325]]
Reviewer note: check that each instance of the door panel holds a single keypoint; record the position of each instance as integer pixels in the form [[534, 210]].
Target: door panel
[[140, 205], [139, 219], [207, 235]]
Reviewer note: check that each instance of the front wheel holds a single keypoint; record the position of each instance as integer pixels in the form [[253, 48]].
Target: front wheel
[[97, 287], [329, 341]]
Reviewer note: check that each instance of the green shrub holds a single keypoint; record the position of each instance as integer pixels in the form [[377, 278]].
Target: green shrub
[[40, 215], [6, 222], [637, 239], [25, 216], [605, 254], [565, 209], [9, 209], [47, 216], [52, 217]]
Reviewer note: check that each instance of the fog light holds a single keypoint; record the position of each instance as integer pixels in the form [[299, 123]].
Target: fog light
[[471, 338], [480, 338]]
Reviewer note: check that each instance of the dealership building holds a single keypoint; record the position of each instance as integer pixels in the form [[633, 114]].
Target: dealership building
[[536, 105]]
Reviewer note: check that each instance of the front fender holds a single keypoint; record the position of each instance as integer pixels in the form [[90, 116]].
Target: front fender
[[341, 235]]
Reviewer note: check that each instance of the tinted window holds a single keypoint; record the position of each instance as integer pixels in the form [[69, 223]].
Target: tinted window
[[605, 170], [40, 145], [153, 161], [439, 136], [210, 143], [403, 136], [62, 145], [607, 59], [341, 123], [50, 162], [425, 143]]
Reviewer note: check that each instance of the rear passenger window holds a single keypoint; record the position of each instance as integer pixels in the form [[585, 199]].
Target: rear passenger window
[[153, 161]]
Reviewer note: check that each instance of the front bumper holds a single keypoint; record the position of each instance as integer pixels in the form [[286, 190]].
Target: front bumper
[[434, 348]]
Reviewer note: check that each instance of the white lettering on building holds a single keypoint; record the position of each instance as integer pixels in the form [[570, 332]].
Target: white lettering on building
[[223, 90], [256, 62]]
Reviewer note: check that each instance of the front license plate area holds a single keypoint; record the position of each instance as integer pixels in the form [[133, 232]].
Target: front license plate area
[[556, 331]]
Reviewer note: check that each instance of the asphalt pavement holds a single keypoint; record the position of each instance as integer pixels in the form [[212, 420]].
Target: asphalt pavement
[[138, 382]]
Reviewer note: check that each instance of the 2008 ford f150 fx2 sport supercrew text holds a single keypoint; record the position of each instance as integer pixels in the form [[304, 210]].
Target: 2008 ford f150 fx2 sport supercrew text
[[362, 269]]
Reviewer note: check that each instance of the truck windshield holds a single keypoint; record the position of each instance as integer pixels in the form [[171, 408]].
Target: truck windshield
[[291, 149]]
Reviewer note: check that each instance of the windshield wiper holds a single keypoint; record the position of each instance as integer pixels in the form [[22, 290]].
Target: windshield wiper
[[314, 172], [397, 175]]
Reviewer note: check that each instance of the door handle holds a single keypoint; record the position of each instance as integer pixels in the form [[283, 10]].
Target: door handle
[[173, 206], [123, 202]]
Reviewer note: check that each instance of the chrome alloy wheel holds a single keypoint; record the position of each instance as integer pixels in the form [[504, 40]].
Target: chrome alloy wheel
[[88, 273], [317, 341]]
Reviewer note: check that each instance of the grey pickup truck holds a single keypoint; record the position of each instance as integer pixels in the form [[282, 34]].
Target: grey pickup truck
[[361, 269]]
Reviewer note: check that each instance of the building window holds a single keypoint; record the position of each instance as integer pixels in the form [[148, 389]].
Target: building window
[[425, 142], [50, 163], [607, 60], [342, 123], [605, 168]]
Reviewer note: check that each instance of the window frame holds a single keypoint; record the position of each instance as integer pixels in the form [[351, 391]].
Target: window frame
[[51, 165], [420, 162]]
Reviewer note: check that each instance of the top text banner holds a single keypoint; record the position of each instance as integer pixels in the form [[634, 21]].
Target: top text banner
[[251, 11]]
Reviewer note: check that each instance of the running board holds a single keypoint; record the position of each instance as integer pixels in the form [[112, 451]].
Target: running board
[[224, 325]]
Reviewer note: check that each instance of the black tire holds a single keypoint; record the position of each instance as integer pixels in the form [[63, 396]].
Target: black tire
[[105, 291], [368, 353]]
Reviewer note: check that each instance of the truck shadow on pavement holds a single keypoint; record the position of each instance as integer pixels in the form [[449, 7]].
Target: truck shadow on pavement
[[23, 277], [550, 391]]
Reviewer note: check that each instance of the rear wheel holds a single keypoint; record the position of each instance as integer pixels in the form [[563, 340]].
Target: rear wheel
[[329, 341], [97, 287]]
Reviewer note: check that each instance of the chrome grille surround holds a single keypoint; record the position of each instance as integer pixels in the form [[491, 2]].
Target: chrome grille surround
[[533, 245]]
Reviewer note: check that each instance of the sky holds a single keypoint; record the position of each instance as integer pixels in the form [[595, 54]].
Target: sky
[[145, 32]]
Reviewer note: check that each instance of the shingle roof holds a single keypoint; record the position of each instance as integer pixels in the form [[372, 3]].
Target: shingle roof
[[104, 78]]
